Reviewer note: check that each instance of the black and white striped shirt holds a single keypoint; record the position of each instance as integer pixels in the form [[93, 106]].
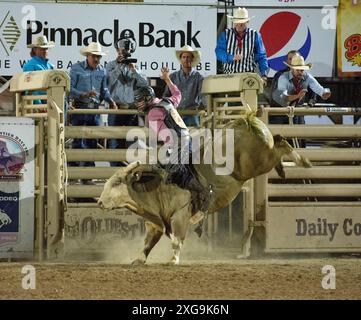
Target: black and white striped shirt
[[253, 52], [247, 63]]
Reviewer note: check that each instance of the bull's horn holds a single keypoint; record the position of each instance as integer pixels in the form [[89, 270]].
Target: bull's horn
[[132, 166]]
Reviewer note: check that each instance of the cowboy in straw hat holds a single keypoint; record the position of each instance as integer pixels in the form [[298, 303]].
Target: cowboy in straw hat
[[240, 16], [39, 59], [189, 81], [39, 54], [298, 63], [42, 42], [194, 56], [88, 88], [233, 43], [94, 48], [292, 85]]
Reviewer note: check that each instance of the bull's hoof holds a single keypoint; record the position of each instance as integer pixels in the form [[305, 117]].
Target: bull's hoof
[[138, 262], [173, 262]]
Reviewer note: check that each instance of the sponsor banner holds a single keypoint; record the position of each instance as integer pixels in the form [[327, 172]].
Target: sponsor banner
[[310, 31], [314, 228], [17, 143], [349, 38], [285, 3], [98, 230], [9, 217], [156, 38]]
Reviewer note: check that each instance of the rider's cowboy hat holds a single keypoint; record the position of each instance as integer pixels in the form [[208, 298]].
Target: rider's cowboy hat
[[42, 42], [240, 16], [93, 48], [196, 54], [298, 63]]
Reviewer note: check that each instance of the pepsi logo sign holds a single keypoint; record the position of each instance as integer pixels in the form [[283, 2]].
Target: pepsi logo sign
[[282, 32]]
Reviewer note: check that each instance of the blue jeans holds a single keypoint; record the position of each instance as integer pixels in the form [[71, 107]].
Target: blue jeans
[[191, 121], [84, 120]]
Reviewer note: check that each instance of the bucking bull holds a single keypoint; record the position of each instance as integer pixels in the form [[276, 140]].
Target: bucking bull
[[166, 207]]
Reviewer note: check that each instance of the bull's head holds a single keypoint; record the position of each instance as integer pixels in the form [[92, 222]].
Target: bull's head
[[282, 148], [115, 193]]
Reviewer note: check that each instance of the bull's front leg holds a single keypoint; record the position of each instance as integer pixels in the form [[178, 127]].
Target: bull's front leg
[[152, 236], [176, 247], [179, 225]]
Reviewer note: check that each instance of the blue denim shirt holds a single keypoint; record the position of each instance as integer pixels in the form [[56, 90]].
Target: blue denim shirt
[[84, 79], [285, 87], [191, 88], [122, 82]]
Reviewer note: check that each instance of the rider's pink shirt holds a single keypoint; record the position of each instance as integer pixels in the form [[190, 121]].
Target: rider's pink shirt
[[156, 116]]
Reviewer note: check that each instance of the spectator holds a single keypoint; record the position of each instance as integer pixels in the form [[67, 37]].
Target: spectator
[[123, 79], [310, 96], [39, 59], [292, 85], [241, 49], [39, 55], [189, 82], [88, 88]]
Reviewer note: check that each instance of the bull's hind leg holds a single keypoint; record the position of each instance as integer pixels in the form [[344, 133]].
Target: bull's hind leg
[[152, 236]]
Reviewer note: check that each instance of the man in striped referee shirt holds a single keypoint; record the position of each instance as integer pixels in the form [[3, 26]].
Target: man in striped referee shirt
[[241, 49]]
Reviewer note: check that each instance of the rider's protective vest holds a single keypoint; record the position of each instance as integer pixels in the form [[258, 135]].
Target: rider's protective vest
[[172, 119]]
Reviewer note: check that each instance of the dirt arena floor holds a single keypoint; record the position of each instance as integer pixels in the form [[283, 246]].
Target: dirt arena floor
[[245, 279], [199, 276]]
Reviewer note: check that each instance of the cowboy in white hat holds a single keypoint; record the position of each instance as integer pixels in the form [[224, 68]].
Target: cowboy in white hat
[[39, 60], [240, 48], [298, 63], [189, 81], [94, 48], [292, 85], [39, 53], [188, 54], [88, 88]]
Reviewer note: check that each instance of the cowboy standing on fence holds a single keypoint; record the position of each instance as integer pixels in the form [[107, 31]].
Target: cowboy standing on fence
[[39, 55], [241, 49], [39, 59], [88, 88]]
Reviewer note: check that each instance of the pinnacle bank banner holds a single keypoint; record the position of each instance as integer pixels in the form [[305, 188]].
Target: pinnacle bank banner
[[158, 31]]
